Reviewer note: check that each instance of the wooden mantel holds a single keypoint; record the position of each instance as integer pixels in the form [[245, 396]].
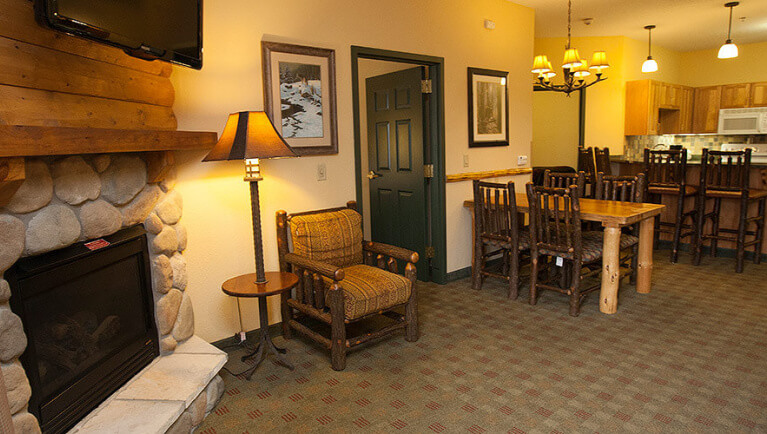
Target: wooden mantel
[[32, 141]]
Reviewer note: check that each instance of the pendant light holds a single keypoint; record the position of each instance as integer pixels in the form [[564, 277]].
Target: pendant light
[[649, 65], [729, 50]]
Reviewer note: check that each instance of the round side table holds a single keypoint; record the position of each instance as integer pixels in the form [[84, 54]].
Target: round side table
[[245, 286]]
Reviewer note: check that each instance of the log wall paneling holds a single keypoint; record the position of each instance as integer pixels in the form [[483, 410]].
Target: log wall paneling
[[158, 164], [17, 22]]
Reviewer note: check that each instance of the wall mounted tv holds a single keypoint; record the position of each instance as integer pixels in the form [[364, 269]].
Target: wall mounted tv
[[169, 30]]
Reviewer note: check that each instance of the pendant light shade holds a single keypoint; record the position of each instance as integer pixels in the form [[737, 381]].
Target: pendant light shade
[[649, 65], [599, 61], [582, 71], [541, 64], [729, 50], [572, 59]]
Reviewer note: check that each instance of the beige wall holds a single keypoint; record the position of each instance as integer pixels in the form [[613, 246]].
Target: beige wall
[[606, 101], [216, 200], [703, 68], [555, 129]]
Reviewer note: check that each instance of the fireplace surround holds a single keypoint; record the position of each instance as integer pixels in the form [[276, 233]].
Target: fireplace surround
[[67, 200]]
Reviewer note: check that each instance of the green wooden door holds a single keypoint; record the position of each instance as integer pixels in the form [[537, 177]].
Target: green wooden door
[[395, 158]]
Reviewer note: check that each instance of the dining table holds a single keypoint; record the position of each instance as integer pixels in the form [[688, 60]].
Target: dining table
[[613, 216]]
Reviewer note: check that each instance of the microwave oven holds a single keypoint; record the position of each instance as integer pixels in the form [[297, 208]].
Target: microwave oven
[[743, 121]]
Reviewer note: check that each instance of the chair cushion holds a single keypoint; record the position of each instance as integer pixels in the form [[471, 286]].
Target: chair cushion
[[370, 289], [592, 246], [524, 241], [334, 237]]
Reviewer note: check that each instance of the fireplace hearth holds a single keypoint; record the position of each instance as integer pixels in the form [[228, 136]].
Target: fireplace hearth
[[88, 315]]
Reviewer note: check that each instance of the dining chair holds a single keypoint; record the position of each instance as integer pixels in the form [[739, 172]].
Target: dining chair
[[602, 160], [665, 173], [565, 179], [497, 231], [587, 165], [624, 189], [557, 240], [725, 175]]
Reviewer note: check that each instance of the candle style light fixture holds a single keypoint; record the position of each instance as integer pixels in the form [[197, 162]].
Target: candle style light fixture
[[649, 65], [729, 50], [575, 70]]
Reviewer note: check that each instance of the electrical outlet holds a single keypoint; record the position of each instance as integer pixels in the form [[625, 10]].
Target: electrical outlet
[[522, 160], [489, 24], [322, 172], [465, 160]]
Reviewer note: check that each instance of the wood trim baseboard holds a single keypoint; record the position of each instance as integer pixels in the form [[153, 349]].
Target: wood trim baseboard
[[469, 176]]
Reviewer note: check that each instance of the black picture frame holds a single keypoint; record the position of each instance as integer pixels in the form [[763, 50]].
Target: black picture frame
[[475, 136], [328, 143]]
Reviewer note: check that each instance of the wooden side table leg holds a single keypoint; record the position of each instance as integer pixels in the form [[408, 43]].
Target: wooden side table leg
[[611, 274], [644, 272]]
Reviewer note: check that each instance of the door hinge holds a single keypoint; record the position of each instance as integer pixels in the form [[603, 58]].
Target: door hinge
[[425, 86], [430, 252], [428, 171]]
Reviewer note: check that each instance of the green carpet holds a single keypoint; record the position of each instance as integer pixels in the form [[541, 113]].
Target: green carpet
[[690, 356]]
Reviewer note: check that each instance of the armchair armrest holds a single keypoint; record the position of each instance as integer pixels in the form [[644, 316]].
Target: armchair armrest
[[328, 270], [389, 250]]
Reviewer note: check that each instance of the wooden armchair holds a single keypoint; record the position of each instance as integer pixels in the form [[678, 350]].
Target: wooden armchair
[[343, 279]]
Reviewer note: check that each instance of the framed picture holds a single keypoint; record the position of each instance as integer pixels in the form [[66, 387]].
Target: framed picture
[[300, 96], [488, 108]]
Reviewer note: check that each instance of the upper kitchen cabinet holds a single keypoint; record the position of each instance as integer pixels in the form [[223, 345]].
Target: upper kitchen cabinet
[[758, 96], [735, 95], [705, 115], [653, 107]]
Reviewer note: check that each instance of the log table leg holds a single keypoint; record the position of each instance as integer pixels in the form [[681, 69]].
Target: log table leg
[[644, 268], [611, 273]]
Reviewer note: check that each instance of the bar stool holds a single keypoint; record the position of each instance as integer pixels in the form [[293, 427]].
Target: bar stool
[[725, 175], [602, 161], [665, 173]]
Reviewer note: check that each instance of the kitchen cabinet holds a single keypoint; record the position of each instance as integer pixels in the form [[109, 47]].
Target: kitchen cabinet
[[758, 97], [735, 95], [706, 105], [654, 107]]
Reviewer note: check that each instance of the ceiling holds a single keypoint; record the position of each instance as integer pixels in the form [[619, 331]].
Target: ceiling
[[682, 25]]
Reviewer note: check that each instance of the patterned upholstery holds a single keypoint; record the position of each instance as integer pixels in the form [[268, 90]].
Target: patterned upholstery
[[334, 237], [524, 241], [592, 246], [370, 289]]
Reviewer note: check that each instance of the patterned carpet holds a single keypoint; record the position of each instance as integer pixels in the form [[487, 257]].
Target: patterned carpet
[[691, 356]]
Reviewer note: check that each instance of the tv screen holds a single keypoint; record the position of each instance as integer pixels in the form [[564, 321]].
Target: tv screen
[[169, 30]]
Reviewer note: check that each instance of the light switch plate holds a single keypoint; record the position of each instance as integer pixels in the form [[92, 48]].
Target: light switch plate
[[465, 160], [489, 24], [322, 172], [522, 160]]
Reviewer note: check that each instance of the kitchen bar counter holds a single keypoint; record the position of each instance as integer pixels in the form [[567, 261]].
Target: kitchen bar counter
[[694, 160]]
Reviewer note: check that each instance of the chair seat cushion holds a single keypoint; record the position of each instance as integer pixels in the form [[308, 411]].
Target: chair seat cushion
[[689, 190], [592, 246], [752, 194], [370, 289], [524, 241]]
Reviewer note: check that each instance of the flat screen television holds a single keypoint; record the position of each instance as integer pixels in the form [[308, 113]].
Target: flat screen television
[[169, 30]]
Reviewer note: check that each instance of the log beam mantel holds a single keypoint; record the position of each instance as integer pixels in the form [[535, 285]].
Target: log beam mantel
[[34, 141]]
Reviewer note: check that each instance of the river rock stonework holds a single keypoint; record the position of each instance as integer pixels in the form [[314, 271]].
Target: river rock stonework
[[66, 200]]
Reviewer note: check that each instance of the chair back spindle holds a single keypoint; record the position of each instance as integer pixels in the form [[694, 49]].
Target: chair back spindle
[[602, 160], [555, 219], [620, 188], [565, 180], [666, 168], [726, 171]]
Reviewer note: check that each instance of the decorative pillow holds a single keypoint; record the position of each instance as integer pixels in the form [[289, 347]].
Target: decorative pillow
[[334, 237]]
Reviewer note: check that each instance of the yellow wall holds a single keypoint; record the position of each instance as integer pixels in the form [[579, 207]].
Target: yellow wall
[[216, 200], [555, 129], [703, 68]]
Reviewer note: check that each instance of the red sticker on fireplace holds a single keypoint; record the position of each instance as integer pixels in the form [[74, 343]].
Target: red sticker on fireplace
[[97, 244]]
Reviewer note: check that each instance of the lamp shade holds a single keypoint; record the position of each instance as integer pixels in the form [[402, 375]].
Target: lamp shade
[[649, 65], [572, 59], [540, 64], [249, 135], [599, 61], [582, 71], [728, 50]]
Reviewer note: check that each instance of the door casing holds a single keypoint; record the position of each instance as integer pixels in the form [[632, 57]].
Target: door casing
[[436, 187]]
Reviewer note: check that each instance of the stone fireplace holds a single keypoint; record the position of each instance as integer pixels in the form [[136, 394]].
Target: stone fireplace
[[71, 199]]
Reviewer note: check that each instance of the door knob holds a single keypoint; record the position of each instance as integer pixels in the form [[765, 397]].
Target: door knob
[[373, 175]]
